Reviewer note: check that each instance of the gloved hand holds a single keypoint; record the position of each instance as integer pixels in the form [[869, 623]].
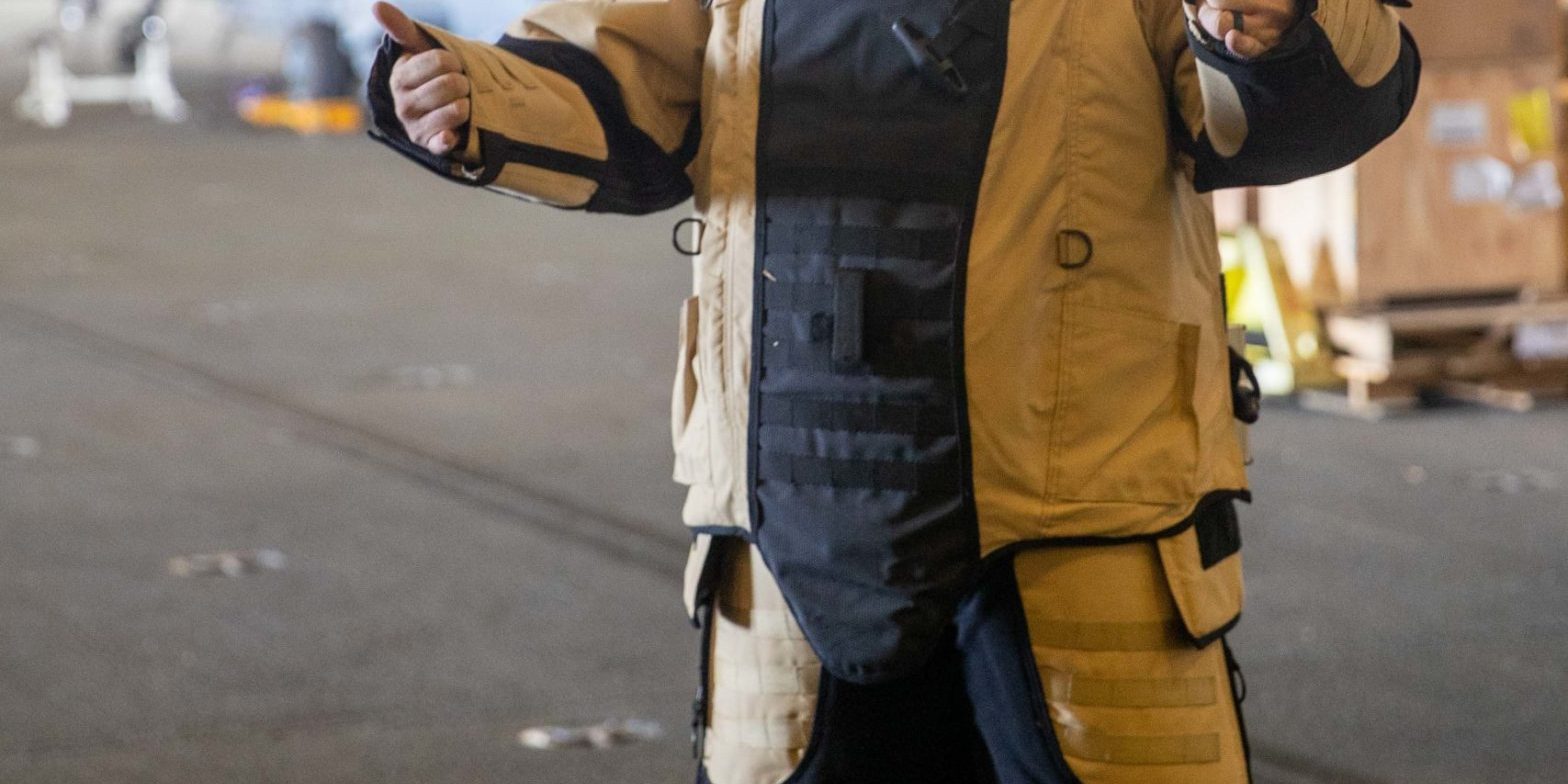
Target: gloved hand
[[1248, 28], [429, 89]]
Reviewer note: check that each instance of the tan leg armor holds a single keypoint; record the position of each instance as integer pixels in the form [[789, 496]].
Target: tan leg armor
[[764, 678], [1129, 697], [1131, 700]]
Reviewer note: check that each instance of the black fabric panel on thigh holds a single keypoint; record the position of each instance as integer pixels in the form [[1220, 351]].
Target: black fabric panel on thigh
[[914, 730], [1000, 671], [868, 175]]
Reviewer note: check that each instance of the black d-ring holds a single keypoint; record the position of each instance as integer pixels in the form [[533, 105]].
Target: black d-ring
[[702, 234], [1081, 236], [1246, 394]]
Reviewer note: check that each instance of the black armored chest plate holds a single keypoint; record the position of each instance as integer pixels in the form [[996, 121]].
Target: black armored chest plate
[[875, 122]]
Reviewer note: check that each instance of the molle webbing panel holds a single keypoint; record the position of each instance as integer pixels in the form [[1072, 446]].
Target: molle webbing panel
[[868, 174], [763, 680]]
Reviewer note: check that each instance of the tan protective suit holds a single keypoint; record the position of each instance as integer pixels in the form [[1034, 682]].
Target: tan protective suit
[[1099, 396]]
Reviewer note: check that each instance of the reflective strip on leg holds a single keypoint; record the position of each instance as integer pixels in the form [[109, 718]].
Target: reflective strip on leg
[[775, 679], [1070, 689], [1088, 744], [763, 722]]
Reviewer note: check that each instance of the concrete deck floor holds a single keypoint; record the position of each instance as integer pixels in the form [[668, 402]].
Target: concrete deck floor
[[203, 328]]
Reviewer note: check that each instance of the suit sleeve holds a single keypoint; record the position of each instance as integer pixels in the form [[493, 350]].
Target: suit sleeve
[[582, 104], [1343, 80]]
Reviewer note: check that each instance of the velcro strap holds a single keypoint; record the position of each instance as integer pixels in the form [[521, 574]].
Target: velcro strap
[[1087, 744], [849, 319], [760, 722], [869, 241], [758, 677], [1071, 689], [913, 420], [798, 297], [922, 359], [854, 474], [1094, 636], [881, 303]]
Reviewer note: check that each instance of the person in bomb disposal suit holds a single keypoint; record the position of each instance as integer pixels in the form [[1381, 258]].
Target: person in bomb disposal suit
[[955, 401]]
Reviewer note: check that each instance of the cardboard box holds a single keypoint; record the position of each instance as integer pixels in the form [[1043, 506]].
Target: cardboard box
[[1488, 31], [1465, 200]]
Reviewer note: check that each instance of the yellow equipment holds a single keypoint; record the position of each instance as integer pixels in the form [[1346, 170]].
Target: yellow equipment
[[1285, 335]]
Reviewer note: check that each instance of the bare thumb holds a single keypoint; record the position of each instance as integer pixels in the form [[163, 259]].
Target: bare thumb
[[402, 29]]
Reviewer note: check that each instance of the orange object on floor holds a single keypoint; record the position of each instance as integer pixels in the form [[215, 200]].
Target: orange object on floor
[[311, 118]]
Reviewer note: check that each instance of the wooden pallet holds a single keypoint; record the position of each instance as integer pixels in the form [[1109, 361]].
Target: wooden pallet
[[1397, 357]]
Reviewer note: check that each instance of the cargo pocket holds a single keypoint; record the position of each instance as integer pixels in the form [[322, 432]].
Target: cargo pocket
[[1203, 567], [1128, 698], [1127, 428], [688, 416]]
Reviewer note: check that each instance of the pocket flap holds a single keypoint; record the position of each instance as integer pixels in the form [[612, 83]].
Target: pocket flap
[[1203, 567]]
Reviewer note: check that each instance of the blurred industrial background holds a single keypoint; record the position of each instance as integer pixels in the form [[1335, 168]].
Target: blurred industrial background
[[305, 479]]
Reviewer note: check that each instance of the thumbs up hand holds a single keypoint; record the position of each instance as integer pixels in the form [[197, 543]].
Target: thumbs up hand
[[429, 89], [1249, 28]]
